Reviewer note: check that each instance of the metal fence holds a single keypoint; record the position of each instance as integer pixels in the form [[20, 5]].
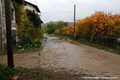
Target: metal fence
[[110, 42]]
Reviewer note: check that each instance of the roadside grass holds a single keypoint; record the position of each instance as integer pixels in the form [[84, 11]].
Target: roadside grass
[[24, 49], [7, 73], [2, 53], [116, 51]]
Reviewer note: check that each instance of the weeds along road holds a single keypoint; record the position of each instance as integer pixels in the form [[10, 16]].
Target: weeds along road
[[61, 55]]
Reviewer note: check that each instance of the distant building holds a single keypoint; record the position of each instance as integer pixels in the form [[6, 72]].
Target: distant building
[[34, 8]]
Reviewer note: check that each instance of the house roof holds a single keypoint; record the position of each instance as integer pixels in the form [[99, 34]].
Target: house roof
[[35, 6]]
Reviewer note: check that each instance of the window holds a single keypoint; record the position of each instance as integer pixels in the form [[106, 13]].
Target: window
[[34, 11]]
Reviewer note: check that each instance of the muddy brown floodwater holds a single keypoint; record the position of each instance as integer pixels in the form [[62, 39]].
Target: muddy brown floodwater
[[75, 58]]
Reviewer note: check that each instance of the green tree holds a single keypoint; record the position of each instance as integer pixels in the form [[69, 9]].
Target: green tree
[[27, 32], [34, 18], [53, 26]]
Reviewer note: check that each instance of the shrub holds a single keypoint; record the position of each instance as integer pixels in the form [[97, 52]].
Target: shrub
[[53, 26], [34, 18], [28, 33], [6, 73]]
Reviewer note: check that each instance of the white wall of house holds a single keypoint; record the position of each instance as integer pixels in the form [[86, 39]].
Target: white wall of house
[[30, 7], [13, 23], [0, 8], [2, 27], [3, 24]]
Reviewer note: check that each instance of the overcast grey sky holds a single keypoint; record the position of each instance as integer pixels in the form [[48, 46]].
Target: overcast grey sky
[[55, 10]]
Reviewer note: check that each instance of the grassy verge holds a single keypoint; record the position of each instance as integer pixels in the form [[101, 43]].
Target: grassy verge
[[2, 53], [23, 50], [22, 73], [116, 51], [26, 51]]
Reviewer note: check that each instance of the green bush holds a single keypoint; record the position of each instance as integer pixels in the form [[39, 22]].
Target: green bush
[[34, 18], [53, 26], [31, 46], [29, 35], [19, 1], [6, 73]]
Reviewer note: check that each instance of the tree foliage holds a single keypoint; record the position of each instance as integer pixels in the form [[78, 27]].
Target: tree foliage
[[99, 24], [53, 26], [34, 18], [19, 1], [27, 32]]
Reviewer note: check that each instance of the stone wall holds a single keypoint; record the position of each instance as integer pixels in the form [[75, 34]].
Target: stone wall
[[2, 27], [3, 24]]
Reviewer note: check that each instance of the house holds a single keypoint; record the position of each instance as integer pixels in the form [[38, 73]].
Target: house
[[3, 24], [34, 8], [14, 18], [13, 22]]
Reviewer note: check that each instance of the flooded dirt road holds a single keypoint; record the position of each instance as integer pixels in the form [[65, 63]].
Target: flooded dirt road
[[75, 58]]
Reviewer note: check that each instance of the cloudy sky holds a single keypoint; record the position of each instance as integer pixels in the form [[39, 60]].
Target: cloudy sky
[[55, 10]]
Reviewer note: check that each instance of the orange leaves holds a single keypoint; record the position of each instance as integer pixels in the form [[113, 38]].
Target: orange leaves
[[69, 30], [98, 24]]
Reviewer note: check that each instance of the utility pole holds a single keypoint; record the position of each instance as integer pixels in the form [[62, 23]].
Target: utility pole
[[74, 20], [10, 61]]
